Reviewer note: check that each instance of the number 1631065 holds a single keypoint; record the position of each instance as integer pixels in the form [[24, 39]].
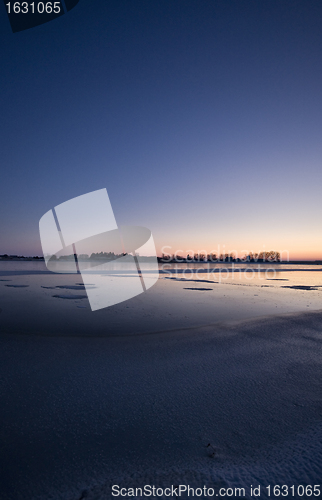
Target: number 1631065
[[33, 7]]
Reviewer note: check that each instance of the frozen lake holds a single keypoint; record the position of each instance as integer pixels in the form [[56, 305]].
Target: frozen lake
[[205, 379]]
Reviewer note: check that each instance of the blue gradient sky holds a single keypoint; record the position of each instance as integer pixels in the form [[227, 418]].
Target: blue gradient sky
[[201, 118]]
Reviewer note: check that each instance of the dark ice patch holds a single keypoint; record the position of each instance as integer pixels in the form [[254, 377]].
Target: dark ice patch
[[195, 281], [73, 297], [302, 287], [17, 286], [277, 279], [71, 287], [201, 289], [65, 287]]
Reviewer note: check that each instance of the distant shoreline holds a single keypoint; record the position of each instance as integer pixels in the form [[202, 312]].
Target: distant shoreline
[[18, 257], [10, 258]]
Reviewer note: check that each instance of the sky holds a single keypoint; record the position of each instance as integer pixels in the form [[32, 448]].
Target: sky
[[201, 118]]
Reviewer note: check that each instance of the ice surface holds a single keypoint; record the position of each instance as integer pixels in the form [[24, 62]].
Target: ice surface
[[133, 394], [166, 306]]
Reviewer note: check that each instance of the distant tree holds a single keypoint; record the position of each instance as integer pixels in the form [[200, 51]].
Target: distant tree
[[271, 256]]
